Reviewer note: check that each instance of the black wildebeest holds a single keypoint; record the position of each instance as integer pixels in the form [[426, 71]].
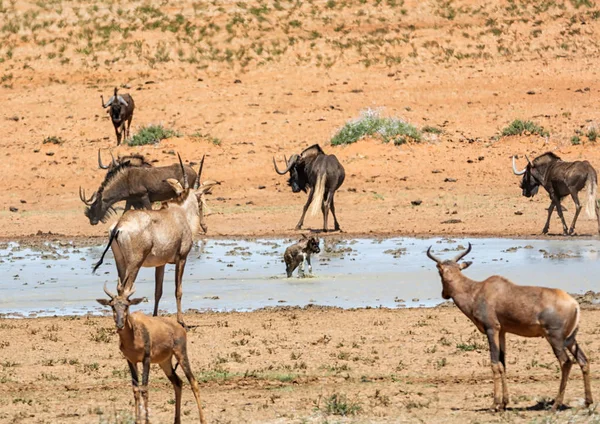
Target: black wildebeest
[[497, 306], [138, 186], [321, 174], [121, 112], [297, 253], [133, 159], [560, 179]]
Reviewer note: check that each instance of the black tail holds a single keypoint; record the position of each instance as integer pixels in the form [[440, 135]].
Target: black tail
[[113, 236]]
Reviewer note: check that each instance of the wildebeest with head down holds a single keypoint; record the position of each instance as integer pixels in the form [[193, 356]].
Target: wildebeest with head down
[[121, 112], [321, 174], [560, 179], [138, 186], [133, 159]]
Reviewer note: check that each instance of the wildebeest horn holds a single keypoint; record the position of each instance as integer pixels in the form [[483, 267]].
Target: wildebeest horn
[[122, 100], [463, 254], [197, 184], [433, 258], [528, 161], [112, 296], [83, 199], [186, 184], [515, 168], [288, 164], [100, 162]]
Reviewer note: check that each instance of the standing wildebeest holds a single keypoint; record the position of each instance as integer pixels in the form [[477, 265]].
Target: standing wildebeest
[[320, 173], [560, 179], [133, 159], [154, 238], [496, 307], [297, 253], [121, 112], [138, 186]]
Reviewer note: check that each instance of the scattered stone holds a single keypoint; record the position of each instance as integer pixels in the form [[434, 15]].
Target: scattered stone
[[396, 253], [436, 171], [450, 180], [23, 201], [518, 213], [49, 153], [531, 92], [416, 202], [452, 221], [262, 187], [14, 118], [13, 209], [237, 81]]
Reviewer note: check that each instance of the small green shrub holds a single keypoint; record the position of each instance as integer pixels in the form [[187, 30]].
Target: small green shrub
[[53, 140], [592, 134], [431, 130], [338, 404], [518, 127], [372, 124], [151, 134], [575, 140]]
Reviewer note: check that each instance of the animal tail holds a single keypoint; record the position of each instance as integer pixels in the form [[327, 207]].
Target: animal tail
[[318, 196], [113, 236], [591, 190]]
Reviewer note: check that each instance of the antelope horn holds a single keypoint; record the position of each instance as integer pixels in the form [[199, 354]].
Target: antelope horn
[[122, 100], [112, 296], [463, 254], [528, 161], [288, 165], [127, 293], [433, 258], [515, 168], [83, 199], [186, 184], [197, 184], [100, 165], [114, 162]]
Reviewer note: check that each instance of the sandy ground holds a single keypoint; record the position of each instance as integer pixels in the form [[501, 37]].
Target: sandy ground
[[416, 365], [242, 82]]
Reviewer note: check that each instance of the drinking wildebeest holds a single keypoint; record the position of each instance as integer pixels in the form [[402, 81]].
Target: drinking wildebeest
[[133, 159], [121, 112], [496, 307], [154, 238], [151, 340], [322, 174], [560, 179], [138, 186], [297, 253]]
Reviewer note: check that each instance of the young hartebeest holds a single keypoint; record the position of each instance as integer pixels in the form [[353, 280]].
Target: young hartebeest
[[496, 306], [154, 238], [151, 340]]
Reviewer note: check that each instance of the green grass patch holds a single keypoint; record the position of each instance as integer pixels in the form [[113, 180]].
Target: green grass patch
[[151, 134], [53, 140], [518, 127], [338, 404], [371, 124]]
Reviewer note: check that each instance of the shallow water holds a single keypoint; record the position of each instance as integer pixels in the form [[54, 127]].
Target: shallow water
[[246, 275]]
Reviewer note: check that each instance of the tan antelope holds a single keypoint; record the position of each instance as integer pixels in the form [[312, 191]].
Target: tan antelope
[[151, 340], [154, 238], [496, 306]]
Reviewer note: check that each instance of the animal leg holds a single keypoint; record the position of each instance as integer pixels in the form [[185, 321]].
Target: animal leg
[[128, 135], [577, 210], [308, 202], [136, 390], [145, 201], [505, 398], [309, 264], [167, 367], [182, 358], [585, 369], [550, 210], [557, 343], [159, 276], [118, 133], [562, 217], [598, 216], [144, 388], [325, 209], [497, 368], [289, 269], [301, 268], [179, 267], [335, 221]]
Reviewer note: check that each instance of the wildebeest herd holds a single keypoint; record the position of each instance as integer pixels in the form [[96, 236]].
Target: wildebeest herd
[[154, 237]]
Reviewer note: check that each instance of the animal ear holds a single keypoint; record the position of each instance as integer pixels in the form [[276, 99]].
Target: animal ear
[[136, 301], [207, 186], [304, 236], [176, 185], [465, 265], [103, 302]]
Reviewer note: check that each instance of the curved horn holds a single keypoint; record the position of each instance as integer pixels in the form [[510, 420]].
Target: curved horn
[[112, 296], [433, 258], [114, 162], [528, 161], [515, 168], [186, 184], [127, 294], [197, 184], [288, 164], [122, 100], [83, 199], [463, 254], [100, 165]]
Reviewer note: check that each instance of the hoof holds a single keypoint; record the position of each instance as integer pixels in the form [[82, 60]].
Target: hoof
[[497, 407]]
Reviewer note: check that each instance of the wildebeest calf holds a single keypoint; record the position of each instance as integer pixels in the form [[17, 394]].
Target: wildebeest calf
[[296, 254]]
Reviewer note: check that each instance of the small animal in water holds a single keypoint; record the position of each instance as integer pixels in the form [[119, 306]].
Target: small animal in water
[[296, 254]]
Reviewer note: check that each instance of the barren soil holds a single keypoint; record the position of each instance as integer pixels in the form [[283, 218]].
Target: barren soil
[[412, 365]]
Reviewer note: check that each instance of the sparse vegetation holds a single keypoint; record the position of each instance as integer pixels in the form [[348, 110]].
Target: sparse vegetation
[[371, 124], [519, 127], [151, 134], [338, 404]]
